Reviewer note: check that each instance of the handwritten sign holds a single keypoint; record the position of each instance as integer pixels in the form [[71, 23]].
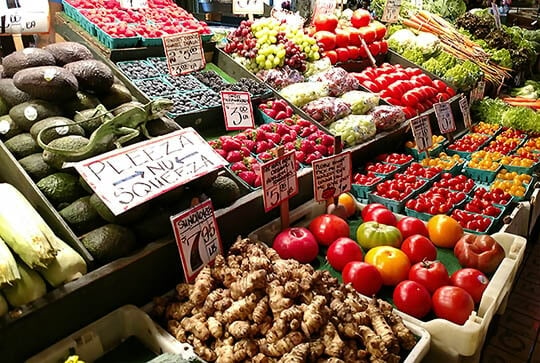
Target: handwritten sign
[[197, 236], [132, 175], [133, 4], [466, 111], [184, 52], [496, 15], [323, 7], [391, 11], [23, 20], [445, 117], [332, 176], [279, 180], [248, 6], [421, 130], [237, 110], [477, 93]]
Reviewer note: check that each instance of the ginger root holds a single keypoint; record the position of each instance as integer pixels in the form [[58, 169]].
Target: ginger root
[[247, 284], [282, 346], [202, 287]]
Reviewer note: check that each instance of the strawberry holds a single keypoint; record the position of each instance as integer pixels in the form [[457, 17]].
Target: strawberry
[[307, 146], [238, 166], [321, 148], [267, 127], [262, 146], [260, 135], [280, 115], [290, 145], [249, 144], [282, 129], [274, 137], [229, 144], [287, 138], [265, 156], [300, 156], [270, 112], [313, 156], [257, 182], [244, 151], [234, 156], [327, 140], [248, 176], [289, 111], [221, 152]]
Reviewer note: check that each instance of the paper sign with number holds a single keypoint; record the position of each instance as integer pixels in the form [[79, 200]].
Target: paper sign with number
[[133, 4], [184, 52], [237, 110], [445, 117], [465, 110], [391, 11], [279, 180], [421, 130], [323, 7], [332, 176], [248, 6], [197, 236]]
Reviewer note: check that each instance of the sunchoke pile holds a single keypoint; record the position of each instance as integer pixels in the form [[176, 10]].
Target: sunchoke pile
[[253, 306]]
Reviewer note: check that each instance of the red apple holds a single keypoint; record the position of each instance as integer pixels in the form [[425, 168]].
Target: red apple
[[360, 18], [297, 243]]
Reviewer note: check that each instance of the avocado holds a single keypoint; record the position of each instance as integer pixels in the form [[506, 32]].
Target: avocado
[[85, 185], [36, 167], [50, 83], [4, 108], [223, 192], [11, 94], [82, 101], [27, 113], [81, 216], [8, 128], [93, 122], [109, 242], [93, 75], [70, 142], [67, 52], [153, 226], [126, 106], [129, 216], [66, 127], [60, 188], [22, 145], [26, 58], [161, 126], [115, 96]]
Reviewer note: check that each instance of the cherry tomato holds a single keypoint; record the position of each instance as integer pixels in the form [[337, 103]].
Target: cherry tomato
[[419, 248], [412, 298], [365, 278], [444, 231], [392, 263], [342, 251], [472, 280], [327, 228], [431, 274], [381, 215], [411, 225], [370, 207], [452, 303]]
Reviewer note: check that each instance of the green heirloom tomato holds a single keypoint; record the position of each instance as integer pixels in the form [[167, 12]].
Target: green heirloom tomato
[[373, 234]]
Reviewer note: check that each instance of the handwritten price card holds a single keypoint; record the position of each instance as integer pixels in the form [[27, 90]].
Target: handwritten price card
[[279, 180], [445, 117], [248, 6], [422, 132], [197, 236], [237, 110], [323, 7], [133, 4], [332, 176], [132, 175], [466, 111], [184, 52], [391, 11], [27, 17]]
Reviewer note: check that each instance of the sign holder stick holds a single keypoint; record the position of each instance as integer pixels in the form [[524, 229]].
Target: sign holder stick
[[284, 205], [337, 150]]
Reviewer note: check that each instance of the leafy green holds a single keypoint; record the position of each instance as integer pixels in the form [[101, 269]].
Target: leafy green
[[460, 77], [489, 110], [434, 66], [449, 9], [413, 54], [502, 57], [521, 118]]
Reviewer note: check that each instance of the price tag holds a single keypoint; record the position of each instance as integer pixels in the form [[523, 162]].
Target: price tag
[[248, 6], [332, 176], [197, 236], [23, 21], [445, 117], [323, 7], [466, 111], [391, 11], [132, 175], [496, 15], [477, 93], [421, 130], [133, 4], [184, 52], [279, 180], [237, 110]]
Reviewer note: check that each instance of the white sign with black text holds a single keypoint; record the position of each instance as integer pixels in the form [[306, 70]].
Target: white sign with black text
[[248, 6], [465, 110], [279, 180], [184, 52], [445, 117], [133, 4], [237, 110], [421, 130], [332, 176]]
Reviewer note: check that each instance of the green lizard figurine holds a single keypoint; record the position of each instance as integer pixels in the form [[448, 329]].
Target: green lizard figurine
[[116, 130]]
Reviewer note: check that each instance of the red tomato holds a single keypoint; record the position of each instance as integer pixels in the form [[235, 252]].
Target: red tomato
[[392, 263], [297, 243], [342, 54], [380, 215], [374, 48], [342, 251], [431, 274], [370, 207], [365, 278], [342, 38], [327, 228], [472, 280], [325, 22], [354, 37], [325, 39], [368, 33], [411, 225], [354, 52], [360, 18], [419, 248], [452, 303], [412, 298], [331, 55]]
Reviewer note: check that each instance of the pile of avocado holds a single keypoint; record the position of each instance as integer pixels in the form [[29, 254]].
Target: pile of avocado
[[61, 85]]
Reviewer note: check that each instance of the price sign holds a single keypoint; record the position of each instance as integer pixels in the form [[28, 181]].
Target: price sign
[[496, 15], [132, 175], [332, 176], [391, 11], [133, 4], [184, 52], [477, 93], [323, 7], [279, 180], [466, 111], [23, 20], [248, 6], [197, 236], [445, 117], [422, 132], [237, 110]]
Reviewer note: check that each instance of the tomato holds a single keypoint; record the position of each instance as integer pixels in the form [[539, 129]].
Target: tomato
[[368, 33], [360, 18], [472, 280], [373, 234], [379, 29], [342, 37], [431, 274], [371, 207], [327, 228], [380, 215], [444, 231], [327, 22], [354, 37], [374, 48], [331, 55], [392, 263], [481, 252], [342, 54], [452, 303], [342, 251], [365, 278], [411, 225], [354, 51], [297, 243], [409, 98], [419, 248], [325, 39], [412, 298]]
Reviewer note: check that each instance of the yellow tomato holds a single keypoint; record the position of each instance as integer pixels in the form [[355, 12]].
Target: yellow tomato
[[392, 263], [444, 231]]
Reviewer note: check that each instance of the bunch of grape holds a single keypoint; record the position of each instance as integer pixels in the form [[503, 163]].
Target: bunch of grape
[[295, 58], [242, 41]]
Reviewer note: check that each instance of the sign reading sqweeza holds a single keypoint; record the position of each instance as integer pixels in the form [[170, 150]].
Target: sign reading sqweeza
[[132, 175], [184, 52]]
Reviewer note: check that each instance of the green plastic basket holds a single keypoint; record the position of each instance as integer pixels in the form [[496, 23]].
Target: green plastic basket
[[151, 42], [422, 155], [483, 176], [394, 205], [86, 24], [362, 191], [70, 10], [117, 43], [522, 169]]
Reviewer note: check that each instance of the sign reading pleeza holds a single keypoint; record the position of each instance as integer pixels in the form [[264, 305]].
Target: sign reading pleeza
[[132, 175], [184, 52]]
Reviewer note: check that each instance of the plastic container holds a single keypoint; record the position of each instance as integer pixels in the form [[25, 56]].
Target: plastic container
[[70, 10], [395, 206], [480, 175], [86, 24], [107, 333], [361, 191], [116, 43], [422, 155]]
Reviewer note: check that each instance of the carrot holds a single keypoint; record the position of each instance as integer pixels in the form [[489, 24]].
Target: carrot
[[523, 102], [521, 99]]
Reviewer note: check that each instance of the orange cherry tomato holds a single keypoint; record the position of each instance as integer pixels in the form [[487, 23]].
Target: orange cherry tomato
[[348, 202], [392, 263], [444, 231]]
